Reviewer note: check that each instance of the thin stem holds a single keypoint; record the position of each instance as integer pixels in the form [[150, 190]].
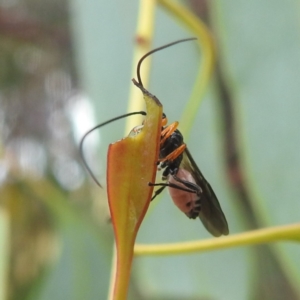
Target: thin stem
[[260, 236]]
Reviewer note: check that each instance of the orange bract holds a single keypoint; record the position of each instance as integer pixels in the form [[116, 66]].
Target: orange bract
[[132, 164]]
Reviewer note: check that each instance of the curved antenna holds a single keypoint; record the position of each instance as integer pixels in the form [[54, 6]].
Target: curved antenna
[[138, 69], [96, 127]]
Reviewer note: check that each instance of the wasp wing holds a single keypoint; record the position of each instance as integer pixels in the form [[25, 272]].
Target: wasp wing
[[211, 214]]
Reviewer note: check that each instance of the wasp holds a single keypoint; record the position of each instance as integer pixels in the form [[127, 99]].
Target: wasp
[[188, 188]]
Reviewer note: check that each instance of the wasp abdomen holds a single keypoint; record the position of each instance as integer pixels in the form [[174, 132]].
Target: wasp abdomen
[[187, 202]]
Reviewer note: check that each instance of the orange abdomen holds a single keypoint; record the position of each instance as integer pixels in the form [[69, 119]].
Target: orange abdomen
[[184, 200]]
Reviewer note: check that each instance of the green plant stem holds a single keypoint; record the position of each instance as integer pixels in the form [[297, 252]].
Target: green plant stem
[[261, 236]]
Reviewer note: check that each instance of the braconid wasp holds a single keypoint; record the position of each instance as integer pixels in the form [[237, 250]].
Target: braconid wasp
[[188, 188]]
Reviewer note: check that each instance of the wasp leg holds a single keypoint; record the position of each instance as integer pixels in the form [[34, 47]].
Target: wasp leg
[[193, 214], [172, 185], [188, 184], [157, 192], [173, 155], [166, 132]]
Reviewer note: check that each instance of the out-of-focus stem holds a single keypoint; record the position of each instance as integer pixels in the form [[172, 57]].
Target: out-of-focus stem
[[207, 51], [4, 250], [143, 42]]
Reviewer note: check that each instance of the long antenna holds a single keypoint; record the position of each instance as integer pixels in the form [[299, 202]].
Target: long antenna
[[96, 127], [138, 69]]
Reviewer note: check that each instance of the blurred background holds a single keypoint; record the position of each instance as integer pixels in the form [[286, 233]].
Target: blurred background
[[66, 66]]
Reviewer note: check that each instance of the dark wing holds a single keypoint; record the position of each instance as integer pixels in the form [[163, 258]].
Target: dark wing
[[211, 214]]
